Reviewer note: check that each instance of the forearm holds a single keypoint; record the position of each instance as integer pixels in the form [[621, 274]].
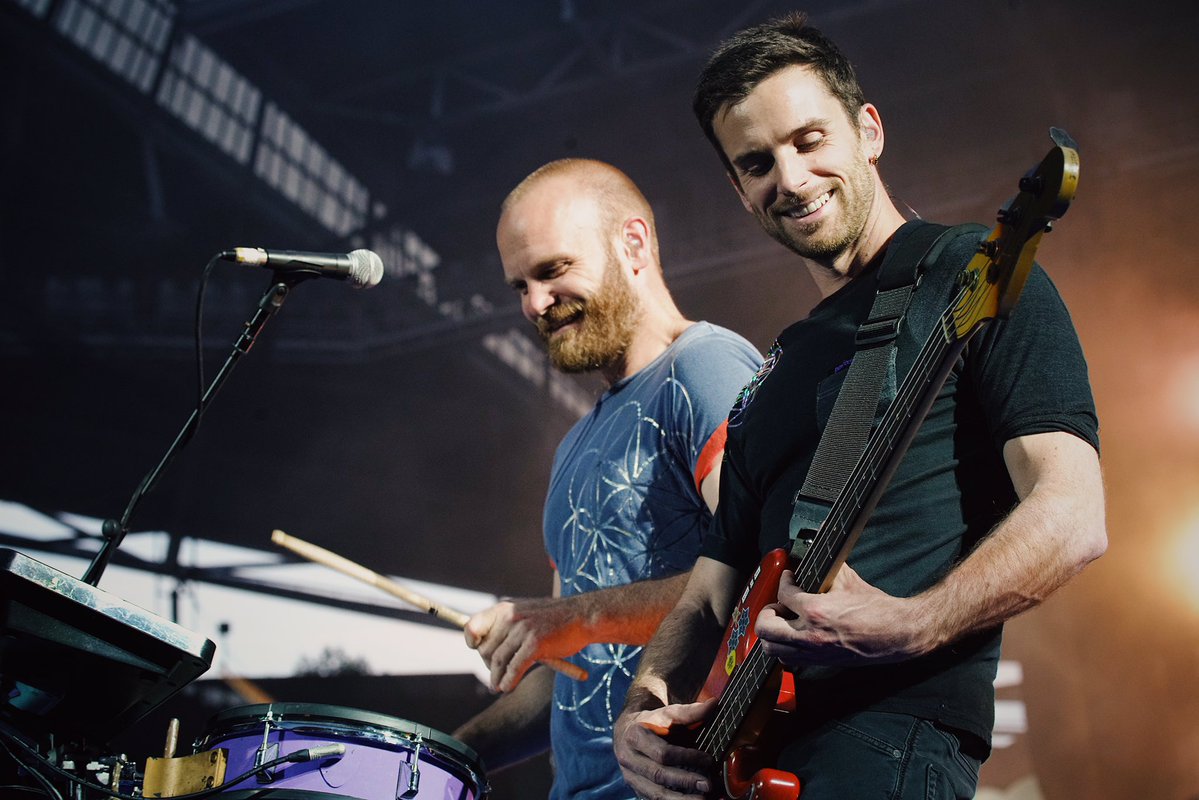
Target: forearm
[[516, 726], [678, 658], [1056, 529], [628, 614], [514, 633], [676, 661], [1035, 551]]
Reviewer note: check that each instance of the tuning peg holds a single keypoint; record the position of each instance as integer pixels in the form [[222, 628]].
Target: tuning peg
[[1008, 216], [1033, 184]]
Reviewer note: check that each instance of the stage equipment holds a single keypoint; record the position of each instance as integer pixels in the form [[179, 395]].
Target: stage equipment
[[79, 663], [362, 268], [289, 272], [381, 758]]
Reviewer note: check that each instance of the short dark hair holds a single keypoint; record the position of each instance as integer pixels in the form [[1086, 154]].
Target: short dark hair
[[752, 55]]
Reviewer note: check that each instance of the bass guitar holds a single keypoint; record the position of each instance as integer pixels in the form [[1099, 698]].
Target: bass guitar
[[750, 686]]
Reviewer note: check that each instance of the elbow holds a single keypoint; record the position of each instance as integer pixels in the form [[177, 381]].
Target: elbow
[[1089, 528], [1090, 541], [1097, 540], [1097, 543]]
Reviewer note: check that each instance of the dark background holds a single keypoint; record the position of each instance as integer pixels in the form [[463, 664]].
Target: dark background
[[377, 424]]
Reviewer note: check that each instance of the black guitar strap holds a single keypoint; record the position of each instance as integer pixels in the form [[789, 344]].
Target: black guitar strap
[[869, 384]]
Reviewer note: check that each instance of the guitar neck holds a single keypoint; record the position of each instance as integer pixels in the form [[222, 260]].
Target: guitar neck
[[847, 517], [990, 285], [828, 549]]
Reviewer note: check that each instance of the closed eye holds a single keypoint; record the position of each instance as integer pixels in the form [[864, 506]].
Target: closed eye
[[809, 142], [754, 165], [552, 269]]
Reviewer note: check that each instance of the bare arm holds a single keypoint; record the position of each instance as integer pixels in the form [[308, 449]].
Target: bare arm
[[513, 634], [1055, 530], [516, 726], [672, 670]]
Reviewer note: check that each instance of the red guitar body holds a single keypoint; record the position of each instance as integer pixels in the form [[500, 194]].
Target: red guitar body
[[746, 771]]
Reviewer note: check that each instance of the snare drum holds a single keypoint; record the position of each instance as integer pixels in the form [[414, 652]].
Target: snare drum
[[385, 757]]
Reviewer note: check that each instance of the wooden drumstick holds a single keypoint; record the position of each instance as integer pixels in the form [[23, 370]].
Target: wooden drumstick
[[320, 555]]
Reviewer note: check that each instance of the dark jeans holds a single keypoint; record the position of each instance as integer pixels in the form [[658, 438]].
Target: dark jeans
[[884, 756]]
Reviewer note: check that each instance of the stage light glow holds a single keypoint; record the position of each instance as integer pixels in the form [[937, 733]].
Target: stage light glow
[[36, 7], [528, 359], [1185, 393], [1183, 562]]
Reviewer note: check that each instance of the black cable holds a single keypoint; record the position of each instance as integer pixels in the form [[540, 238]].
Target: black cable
[[47, 788], [299, 755], [13, 787], [200, 340]]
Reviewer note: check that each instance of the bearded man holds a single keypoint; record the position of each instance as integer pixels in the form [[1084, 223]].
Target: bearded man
[[633, 483]]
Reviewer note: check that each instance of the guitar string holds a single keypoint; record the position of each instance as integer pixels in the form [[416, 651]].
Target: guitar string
[[716, 737], [879, 447], [756, 666], [747, 681]]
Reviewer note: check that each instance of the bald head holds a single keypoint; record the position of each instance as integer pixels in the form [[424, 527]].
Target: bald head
[[614, 195], [577, 242]]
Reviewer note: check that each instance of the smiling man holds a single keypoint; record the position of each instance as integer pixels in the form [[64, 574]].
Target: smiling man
[[997, 503], [632, 483]]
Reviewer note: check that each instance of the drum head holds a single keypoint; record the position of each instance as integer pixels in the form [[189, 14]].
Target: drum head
[[350, 723], [279, 794]]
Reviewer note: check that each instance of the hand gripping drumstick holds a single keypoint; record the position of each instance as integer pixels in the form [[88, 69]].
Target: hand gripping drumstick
[[343, 565]]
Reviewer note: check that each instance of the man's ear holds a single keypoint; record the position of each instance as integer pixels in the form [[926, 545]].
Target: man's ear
[[635, 241], [871, 125]]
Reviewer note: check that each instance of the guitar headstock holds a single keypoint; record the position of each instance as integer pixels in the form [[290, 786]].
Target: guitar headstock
[[994, 278]]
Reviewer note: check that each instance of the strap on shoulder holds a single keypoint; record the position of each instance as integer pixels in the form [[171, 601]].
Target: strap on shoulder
[[848, 428]]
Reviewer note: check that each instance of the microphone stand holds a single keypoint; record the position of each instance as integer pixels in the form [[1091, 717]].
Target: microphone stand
[[114, 530]]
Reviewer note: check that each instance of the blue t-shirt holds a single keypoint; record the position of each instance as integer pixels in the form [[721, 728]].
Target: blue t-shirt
[[623, 506]]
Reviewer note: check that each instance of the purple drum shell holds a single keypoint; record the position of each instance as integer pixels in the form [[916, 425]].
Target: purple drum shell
[[377, 764]]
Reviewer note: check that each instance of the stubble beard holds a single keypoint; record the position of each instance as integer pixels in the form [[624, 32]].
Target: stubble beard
[[809, 240], [605, 329]]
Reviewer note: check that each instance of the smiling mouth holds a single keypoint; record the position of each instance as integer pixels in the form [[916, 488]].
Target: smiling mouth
[[551, 326], [563, 324], [801, 211]]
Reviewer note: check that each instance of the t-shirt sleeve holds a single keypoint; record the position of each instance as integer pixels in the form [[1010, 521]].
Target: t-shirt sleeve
[[1029, 371], [732, 537], [708, 374], [710, 455]]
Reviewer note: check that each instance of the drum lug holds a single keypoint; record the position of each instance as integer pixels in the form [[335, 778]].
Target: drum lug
[[335, 752], [268, 750], [413, 787]]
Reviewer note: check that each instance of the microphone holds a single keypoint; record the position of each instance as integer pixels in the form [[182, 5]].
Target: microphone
[[363, 268], [317, 753]]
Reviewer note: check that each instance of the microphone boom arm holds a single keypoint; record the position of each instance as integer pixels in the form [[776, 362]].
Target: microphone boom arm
[[113, 530]]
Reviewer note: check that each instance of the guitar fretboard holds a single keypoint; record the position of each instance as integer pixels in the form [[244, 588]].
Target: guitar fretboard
[[847, 516]]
